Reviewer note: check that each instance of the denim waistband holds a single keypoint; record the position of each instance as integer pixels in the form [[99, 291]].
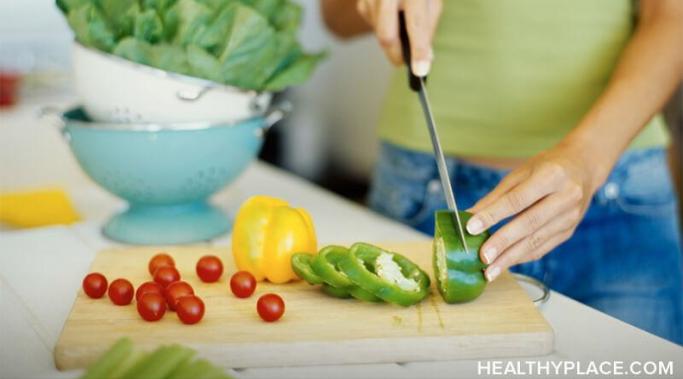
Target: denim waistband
[[639, 179], [482, 176]]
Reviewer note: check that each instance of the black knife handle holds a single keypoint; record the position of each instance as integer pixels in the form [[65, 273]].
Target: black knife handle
[[413, 80]]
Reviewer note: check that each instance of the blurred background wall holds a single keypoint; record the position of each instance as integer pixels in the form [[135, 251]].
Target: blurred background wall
[[34, 39], [329, 138]]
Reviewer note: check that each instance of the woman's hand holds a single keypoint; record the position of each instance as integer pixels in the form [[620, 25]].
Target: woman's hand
[[548, 196], [422, 17]]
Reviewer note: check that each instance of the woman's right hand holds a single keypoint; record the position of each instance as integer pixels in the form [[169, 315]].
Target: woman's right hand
[[422, 17]]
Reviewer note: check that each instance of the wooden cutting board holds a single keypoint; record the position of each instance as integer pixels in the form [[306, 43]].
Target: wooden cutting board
[[315, 329]]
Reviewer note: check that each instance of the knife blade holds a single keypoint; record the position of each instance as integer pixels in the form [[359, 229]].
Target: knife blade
[[417, 84]]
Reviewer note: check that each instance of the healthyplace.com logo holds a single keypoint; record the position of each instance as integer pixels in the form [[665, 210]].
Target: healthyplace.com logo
[[575, 368]]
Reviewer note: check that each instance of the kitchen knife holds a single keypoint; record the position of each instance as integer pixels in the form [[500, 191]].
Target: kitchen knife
[[417, 84]]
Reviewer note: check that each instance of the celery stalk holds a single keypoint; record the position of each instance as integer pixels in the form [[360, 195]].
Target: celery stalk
[[136, 357], [111, 359], [161, 363], [191, 369]]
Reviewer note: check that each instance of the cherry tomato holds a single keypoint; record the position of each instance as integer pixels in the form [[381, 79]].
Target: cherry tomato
[[148, 287], [166, 275], [190, 309], [270, 307], [175, 291], [95, 285], [160, 260], [121, 292], [209, 268], [151, 306], [242, 284]]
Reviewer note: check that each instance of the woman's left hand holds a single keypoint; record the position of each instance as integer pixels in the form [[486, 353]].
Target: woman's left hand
[[548, 195]]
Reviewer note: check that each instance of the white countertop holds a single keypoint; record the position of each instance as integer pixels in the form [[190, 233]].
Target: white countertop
[[41, 269]]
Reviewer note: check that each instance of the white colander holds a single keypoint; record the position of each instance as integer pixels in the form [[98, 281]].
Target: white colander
[[114, 89]]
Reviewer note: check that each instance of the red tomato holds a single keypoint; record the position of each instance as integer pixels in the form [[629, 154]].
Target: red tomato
[[190, 309], [242, 284], [270, 307], [209, 268], [151, 306], [95, 285], [160, 260], [121, 292], [175, 291], [166, 275], [148, 287]]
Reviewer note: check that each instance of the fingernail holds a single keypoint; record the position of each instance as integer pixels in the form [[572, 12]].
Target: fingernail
[[421, 68], [489, 254], [492, 273], [475, 226]]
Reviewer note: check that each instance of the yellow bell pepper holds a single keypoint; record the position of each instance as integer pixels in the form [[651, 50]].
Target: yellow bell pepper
[[267, 231]]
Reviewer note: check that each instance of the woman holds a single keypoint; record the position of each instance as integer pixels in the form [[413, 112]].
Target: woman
[[549, 115]]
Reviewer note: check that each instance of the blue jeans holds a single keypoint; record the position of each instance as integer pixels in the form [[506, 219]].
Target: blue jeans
[[624, 258]]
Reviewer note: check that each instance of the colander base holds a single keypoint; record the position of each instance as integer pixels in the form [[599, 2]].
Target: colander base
[[144, 224]]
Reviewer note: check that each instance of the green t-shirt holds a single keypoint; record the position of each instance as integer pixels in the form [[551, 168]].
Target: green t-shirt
[[511, 78]]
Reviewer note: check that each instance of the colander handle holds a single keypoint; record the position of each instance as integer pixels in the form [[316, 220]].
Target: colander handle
[[276, 112], [257, 104], [53, 113], [192, 95], [50, 111]]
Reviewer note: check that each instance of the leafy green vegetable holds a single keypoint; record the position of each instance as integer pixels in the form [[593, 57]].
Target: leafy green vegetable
[[148, 27], [90, 28], [250, 44]]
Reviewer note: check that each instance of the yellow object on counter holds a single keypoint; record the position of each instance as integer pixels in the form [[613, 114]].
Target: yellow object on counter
[[31, 209], [266, 233]]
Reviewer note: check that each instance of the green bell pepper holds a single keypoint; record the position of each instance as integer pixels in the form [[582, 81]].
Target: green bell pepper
[[301, 265], [326, 266], [389, 276], [459, 273]]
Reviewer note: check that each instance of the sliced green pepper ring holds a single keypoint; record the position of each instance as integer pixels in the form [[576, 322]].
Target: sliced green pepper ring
[[363, 295], [335, 292], [389, 276], [301, 264], [325, 266]]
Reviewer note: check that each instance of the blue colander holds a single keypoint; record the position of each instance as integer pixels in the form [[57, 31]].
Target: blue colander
[[166, 173]]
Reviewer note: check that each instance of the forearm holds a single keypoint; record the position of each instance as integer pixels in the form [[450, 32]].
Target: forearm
[[342, 18], [649, 70]]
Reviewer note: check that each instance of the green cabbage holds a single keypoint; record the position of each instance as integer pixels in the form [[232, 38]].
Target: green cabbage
[[249, 44]]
